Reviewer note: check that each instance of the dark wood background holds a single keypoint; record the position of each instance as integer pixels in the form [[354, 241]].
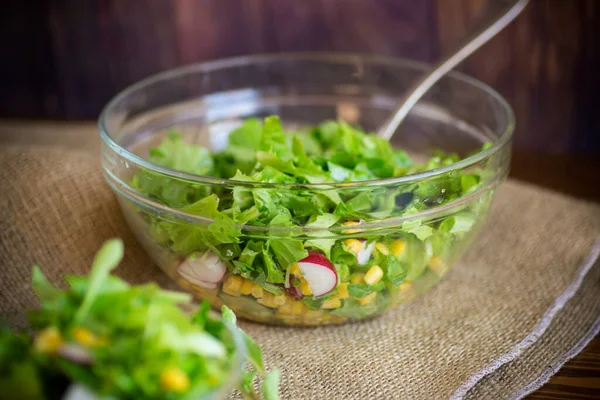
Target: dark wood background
[[66, 58]]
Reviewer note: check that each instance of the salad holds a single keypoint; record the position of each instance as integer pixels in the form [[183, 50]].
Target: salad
[[117, 341], [288, 236]]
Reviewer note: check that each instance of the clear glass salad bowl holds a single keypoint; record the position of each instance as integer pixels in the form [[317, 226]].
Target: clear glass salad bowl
[[329, 252]]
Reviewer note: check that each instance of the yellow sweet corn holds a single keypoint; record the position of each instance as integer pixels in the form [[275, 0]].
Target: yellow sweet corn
[[295, 270], [268, 300], [297, 307], [398, 247], [331, 303], [405, 291], [405, 286], [173, 379], [373, 275], [354, 245], [233, 285], [313, 317], [326, 318], [437, 265], [382, 249], [49, 340], [246, 288], [368, 299], [280, 300], [304, 288], [86, 338], [357, 278], [285, 309], [351, 223], [257, 291], [343, 291]]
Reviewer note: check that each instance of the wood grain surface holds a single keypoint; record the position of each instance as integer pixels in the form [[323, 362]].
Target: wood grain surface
[[67, 58]]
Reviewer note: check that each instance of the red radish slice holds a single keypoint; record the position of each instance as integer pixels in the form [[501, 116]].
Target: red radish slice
[[319, 273], [204, 270], [363, 256]]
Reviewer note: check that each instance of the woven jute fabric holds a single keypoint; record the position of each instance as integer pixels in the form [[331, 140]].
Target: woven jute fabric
[[524, 298]]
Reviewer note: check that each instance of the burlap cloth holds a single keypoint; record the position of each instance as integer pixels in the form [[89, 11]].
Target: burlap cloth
[[522, 301]]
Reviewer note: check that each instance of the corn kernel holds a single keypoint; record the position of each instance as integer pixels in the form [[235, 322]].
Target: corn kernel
[[405, 286], [257, 291], [174, 380], [331, 303], [357, 278], [280, 300], [295, 270], [368, 299], [398, 247], [382, 249], [313, 317], [246, 288], [405, 291], [343, 291], [268, 300], [285, 309], [85, 338], [373, 275], [354, 245], [49, 340], [233, 285], [351, 223], [297, 307], [304, 288], [437, 265]]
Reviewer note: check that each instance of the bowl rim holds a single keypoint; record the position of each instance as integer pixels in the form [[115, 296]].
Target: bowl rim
[[342, 57]]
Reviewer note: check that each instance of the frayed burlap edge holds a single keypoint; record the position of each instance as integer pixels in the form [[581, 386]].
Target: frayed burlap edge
[[542, 326]]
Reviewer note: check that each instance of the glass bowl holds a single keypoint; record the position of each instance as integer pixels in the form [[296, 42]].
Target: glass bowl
[[369, 264]]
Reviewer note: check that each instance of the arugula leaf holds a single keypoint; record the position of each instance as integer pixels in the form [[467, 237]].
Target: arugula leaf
[[288, 251], [363, 289], [42, 287], [270, 385], [107, 259], [273, 272], [176, 154], [325, 220], [247, 136]]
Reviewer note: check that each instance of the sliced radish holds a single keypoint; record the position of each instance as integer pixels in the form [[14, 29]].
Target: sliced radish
[[363, 256], [205, 270], [319, 273]]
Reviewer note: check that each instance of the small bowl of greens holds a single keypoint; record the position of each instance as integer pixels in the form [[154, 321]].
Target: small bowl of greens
[[102, 339], [256, 182]]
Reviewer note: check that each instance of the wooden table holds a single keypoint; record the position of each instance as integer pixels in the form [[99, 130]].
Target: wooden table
[[577, 176]]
